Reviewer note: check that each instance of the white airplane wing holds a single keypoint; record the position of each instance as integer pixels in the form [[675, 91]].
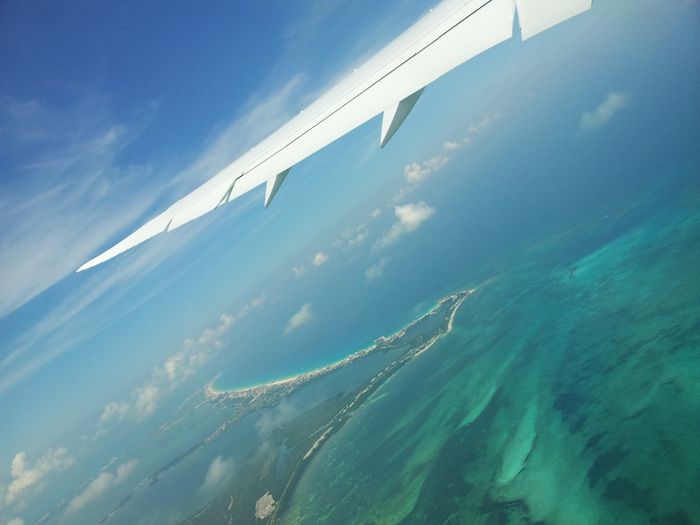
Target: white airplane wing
[[390, 83]]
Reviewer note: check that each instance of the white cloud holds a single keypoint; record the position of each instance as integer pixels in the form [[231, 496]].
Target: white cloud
[[302, 317], [219, 472], [115, 410], [483, 124], [274, 417], [450, 145], [104, 481], [25, 476], [606, 110], [146, 402], [415, 173], [320, 259], [409, 217], [376, 270], [356, 235], [15, 521], [177, 368]]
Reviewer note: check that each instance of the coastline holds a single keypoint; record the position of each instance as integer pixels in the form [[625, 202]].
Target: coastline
[[286, 384]]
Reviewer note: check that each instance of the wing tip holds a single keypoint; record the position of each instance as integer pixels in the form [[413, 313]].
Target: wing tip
[[85, 266]]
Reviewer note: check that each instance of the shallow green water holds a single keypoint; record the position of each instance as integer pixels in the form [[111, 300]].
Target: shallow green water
[[569, 392]]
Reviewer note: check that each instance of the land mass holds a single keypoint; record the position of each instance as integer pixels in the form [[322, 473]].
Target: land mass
[[302, 438]]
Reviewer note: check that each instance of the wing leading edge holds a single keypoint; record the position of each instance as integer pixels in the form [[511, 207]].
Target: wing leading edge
[[389, 83]]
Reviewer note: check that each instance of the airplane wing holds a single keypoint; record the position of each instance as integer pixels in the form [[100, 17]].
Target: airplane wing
[[390, 83]]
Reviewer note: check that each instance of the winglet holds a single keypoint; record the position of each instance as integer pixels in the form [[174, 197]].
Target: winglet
[[395, 115], [537, 15], [273, 185]]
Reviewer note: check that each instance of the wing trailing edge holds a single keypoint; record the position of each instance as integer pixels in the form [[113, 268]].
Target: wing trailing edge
[[452, 33]]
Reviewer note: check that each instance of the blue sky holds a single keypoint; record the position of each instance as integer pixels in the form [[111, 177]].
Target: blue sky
[[108, 115]]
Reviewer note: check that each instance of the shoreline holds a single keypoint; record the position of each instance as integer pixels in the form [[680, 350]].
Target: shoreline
[[381, 343]]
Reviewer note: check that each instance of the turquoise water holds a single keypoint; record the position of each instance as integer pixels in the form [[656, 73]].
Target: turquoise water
[[568, 393]]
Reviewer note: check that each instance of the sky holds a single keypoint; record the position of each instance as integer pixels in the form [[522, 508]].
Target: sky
[[109, 114]]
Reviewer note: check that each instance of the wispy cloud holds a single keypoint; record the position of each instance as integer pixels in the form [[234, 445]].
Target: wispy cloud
[[63, 327], [101, 483], [409, 217], [275, 417], [356, 235], [304, 316], [613, 103], [75, 197], [220, 471], [49, 228], [28, 478], [376, 270], [258, 118], [176, 369], [299, 271]]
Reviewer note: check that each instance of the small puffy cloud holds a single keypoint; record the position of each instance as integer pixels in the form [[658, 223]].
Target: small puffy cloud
[[376, 270], [320, 259], [606, 110], [483, 124], [115, 410], [356, 235], [104, 481], [302, 317], [353, 236], [415, 173], [409, 217], [25, 476], [299, 271], [220, 472], [146, 401], [450, 145], [15, 521]]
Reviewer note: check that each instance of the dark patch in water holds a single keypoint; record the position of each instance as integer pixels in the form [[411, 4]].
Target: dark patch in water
[[604, 463], [623, 490], [505, 512], [680, 517], [577, 425], [593, 441], [568, 404], [446, 487]]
